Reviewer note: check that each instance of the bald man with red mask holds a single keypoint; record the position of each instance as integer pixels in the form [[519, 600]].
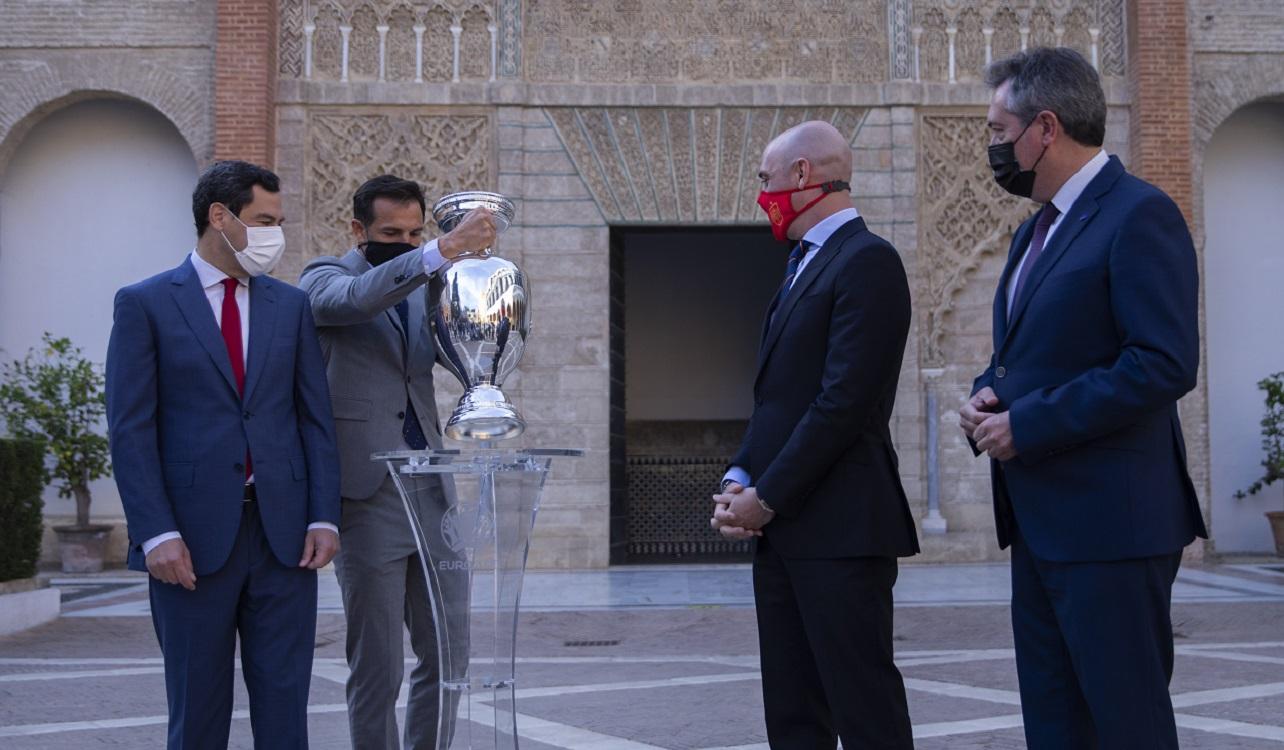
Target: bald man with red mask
[[815, 479]]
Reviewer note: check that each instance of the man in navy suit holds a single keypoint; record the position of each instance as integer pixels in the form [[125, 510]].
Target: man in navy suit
[[224, 453], [816, 476], [1095, 339]]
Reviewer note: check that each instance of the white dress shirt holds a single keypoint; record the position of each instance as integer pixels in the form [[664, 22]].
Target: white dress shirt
[[1064, 201], [433, 259], [212, 282], [816, 237]]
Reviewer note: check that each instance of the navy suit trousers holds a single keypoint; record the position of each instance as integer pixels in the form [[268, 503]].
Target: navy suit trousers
[[273, 609], [1094, 650]]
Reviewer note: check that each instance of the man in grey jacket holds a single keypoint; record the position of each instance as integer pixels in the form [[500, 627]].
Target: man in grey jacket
[[371, 312]]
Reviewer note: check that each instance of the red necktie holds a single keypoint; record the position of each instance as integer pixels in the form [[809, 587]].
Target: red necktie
[[231, 327]]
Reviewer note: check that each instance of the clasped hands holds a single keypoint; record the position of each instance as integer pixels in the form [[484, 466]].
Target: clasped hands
[[990, 430], [737, 514]]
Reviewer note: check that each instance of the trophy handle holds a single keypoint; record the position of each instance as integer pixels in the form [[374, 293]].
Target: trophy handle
[[484, 254]]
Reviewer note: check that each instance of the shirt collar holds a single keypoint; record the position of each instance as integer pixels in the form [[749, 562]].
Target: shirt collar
[[1078, 182], [818, 235], [208, 274]]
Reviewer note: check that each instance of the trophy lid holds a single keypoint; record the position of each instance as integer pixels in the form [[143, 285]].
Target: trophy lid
[[448, 211]]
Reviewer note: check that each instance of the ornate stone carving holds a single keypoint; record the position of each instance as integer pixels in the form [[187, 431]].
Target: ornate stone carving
[[290, 50], [327, 43], [631, 41], [401, 44], [510, 38], [363, 45], [902, 52], [681, 165], [474, 45], [1111, 18], [441, 152], [964, 217], [669, 40], [1040, 22], [364, 17]]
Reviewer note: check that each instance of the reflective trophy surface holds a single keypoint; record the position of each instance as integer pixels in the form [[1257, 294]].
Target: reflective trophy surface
[[481, 321], [471, 510]]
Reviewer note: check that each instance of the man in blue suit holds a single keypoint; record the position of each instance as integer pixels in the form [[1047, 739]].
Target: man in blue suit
[[1096, 337], [224, 453]]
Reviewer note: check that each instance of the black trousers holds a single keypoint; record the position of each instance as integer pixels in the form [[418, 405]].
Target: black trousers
[[825, 638]]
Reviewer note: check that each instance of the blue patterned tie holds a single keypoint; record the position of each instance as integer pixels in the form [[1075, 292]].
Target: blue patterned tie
[[411, 431], [791, 270]]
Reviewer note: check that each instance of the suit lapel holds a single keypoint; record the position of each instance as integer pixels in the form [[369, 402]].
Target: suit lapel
[[262, 324], [815, 266], [195, 308], [1019, 242], [1078, 217]]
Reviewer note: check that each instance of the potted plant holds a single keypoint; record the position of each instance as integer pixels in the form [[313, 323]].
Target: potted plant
[[1273, 445], [55, 396]]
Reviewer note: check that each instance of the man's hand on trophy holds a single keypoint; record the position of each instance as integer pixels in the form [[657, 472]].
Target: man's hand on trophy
[[473, 235]]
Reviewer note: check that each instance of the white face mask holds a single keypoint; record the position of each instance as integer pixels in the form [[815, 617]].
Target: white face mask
[[263, 248]]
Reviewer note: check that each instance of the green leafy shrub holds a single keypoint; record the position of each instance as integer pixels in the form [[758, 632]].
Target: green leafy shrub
[[1272, 434], [54, 396], [21, 510]]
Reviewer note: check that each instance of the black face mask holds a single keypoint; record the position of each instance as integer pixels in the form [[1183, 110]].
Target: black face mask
[[378, 253], [1007, 170]]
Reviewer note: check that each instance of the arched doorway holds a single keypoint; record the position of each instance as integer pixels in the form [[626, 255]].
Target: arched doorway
[[96, 196], [1243, 281]]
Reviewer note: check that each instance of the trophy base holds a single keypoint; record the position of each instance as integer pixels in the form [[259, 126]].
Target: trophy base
[[484, 413]]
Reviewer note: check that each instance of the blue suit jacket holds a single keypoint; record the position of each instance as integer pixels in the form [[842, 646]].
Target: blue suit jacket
[[179, 430], [1102, 342]]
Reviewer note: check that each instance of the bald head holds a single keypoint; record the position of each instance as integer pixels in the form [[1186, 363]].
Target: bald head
[[805, 161], [816, 142]]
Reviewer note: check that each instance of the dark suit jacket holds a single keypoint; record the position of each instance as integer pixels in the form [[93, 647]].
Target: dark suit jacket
[[1102, 342], [818, 447], [179, 430]]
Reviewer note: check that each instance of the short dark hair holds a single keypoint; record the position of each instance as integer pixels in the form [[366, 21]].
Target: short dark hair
[[1056, 79], [231, 183], [385, 186]]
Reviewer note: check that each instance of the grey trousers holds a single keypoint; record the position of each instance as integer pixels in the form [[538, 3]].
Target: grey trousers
[[383, 586]]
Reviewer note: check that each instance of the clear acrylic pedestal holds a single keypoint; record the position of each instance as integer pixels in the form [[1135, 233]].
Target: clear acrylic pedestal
[[473, 549]]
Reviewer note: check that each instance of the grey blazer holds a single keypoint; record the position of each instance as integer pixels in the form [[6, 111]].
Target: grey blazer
[[372, 366]]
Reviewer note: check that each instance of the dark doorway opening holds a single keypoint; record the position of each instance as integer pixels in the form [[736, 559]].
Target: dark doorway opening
[[687, 307]]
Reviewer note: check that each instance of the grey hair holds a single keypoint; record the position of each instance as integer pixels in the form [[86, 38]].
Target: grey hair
[[1056, 79]]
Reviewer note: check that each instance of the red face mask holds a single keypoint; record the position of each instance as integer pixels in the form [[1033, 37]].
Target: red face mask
[[780, 209]]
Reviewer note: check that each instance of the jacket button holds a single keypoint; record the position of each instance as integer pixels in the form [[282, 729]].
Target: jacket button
[[401, 415], [246, 415], [239, 468], [407, 378], [1001, 372]]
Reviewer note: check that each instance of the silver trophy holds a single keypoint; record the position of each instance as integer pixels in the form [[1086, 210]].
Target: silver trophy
[[480, 322]]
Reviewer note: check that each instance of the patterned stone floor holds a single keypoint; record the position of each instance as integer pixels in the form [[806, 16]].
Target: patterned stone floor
[[641, 658]]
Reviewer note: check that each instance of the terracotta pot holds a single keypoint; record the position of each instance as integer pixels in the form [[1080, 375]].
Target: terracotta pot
[[1276, 517], [82, 548]]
